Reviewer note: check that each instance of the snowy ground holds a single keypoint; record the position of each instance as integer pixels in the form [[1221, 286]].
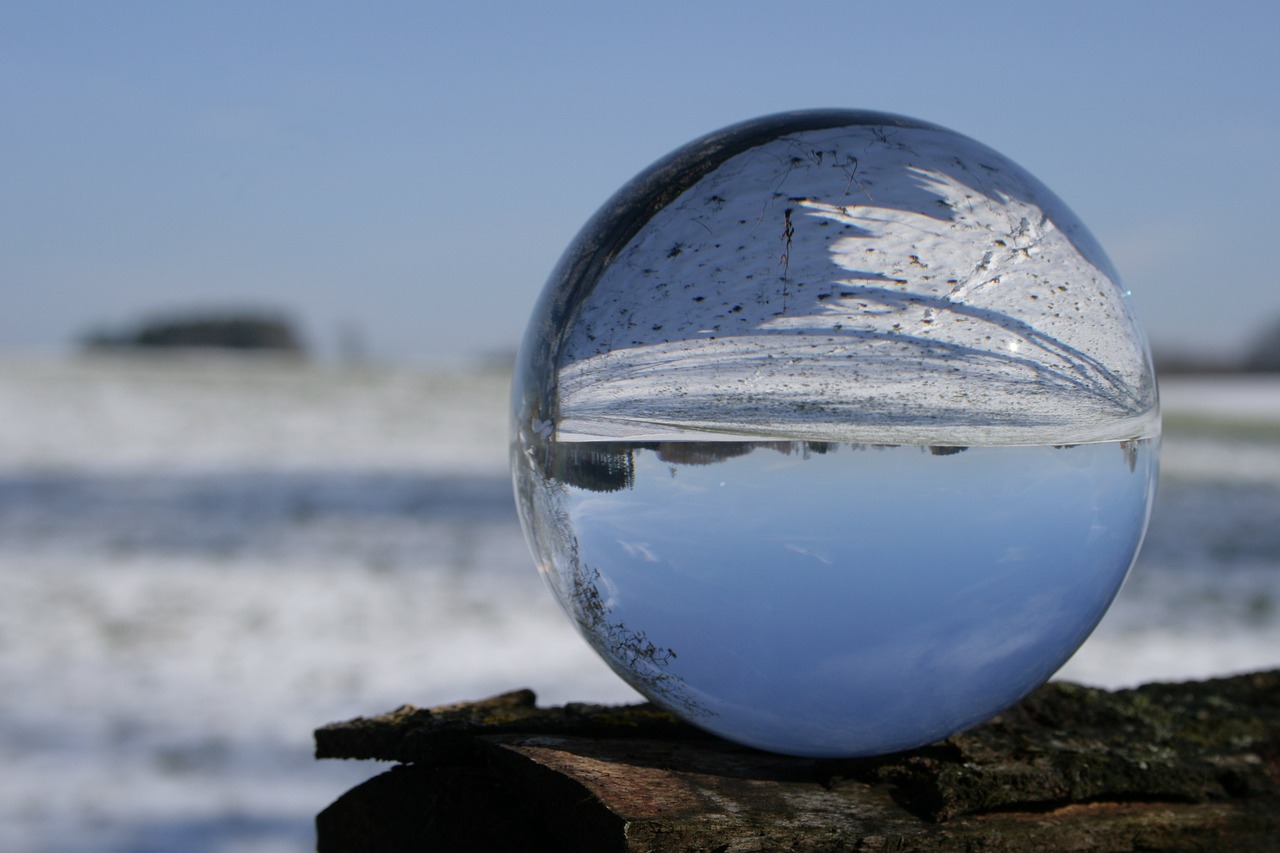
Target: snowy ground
[[201, 562]]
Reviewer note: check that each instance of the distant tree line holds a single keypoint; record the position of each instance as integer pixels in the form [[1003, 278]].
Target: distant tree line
[[1261, 356], [234, 331], [1264, 355]]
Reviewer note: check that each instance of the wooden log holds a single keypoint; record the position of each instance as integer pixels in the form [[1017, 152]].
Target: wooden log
[[1193, 766]]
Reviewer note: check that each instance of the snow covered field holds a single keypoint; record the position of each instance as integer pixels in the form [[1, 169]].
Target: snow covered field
[[201, 561]]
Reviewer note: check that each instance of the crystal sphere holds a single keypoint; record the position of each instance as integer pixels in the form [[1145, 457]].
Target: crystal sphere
[[834, 433]]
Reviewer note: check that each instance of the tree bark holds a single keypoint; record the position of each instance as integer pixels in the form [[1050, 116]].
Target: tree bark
[[1176, 767]]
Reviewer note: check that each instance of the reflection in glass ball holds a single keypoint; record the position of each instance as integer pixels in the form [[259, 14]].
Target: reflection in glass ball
[[834, 433]]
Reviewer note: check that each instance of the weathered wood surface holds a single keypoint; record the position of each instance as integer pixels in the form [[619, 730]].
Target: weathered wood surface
[[1174, 767]]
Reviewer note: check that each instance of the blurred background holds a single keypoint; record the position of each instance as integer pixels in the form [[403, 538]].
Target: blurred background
[[205, 554]]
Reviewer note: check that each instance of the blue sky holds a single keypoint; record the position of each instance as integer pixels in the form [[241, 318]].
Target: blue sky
[[409, 172]]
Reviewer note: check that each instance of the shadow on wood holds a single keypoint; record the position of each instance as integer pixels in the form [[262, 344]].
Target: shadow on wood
[[1192, 766]]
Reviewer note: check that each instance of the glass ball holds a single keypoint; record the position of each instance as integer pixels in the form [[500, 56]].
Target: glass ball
[[834, 433]]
